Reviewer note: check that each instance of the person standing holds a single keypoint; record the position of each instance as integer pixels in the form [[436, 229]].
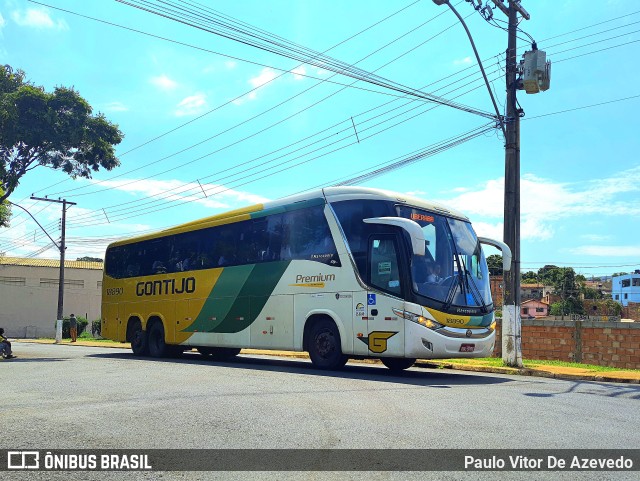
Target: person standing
[[73, 327]]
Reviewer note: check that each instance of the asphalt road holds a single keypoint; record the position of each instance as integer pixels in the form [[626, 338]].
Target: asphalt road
[[72, 397]]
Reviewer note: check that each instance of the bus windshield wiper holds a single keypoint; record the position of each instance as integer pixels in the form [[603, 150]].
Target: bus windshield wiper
[[473, 290]]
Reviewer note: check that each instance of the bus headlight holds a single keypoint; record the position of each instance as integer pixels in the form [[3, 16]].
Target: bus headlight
[[418, 319]]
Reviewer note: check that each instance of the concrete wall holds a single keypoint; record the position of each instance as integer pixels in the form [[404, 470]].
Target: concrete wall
[[614, 344], [29, 298]]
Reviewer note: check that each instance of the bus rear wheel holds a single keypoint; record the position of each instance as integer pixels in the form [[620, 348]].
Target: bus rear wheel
[[324, 346], [219, 353], [138, 339], [157, 346], [397, 363]]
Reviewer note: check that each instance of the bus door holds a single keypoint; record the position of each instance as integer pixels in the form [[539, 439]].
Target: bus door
[[385, 329]]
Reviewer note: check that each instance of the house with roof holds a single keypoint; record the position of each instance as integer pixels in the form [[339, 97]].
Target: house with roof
[[534, 308], [626, 288], [29, 294]]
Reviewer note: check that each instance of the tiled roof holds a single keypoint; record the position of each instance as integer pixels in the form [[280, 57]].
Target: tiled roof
[[25, 261], [535, 300]]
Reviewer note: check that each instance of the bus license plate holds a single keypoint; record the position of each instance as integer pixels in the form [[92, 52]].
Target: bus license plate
[[467, 347]]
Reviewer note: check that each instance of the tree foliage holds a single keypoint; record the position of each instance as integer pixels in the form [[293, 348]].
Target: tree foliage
[[494, 262], [5, 211], [55, 130], [89, 259]]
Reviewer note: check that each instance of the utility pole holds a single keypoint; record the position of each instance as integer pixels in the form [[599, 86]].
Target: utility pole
[[536, 75], [511, 317], [62, 248]]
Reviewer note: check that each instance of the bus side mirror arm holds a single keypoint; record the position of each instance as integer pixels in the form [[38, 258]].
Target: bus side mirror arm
[[410, 226], [506, 252]]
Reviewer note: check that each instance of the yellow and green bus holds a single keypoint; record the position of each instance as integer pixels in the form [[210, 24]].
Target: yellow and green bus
[[341, 272]]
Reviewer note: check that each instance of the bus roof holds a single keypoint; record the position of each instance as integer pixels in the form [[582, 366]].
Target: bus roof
[[331, 194]]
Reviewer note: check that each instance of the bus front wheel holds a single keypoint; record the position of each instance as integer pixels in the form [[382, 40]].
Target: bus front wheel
[[157, 346], [397, 363], [324, 346]]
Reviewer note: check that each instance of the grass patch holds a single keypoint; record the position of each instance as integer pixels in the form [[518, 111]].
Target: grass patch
[[534, 363], [590, 367]]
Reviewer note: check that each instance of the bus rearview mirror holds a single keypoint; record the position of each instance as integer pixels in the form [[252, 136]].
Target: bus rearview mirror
[[410, 226]]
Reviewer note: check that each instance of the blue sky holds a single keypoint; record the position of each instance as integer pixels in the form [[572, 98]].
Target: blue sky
[[252, 131]]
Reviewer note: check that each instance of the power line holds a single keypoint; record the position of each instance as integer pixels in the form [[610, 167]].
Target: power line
[[179, 151], [588, 106], [257, 39]]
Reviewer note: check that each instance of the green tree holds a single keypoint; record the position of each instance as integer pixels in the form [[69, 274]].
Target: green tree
[[529, 277], [5, 211], [89, 259], [591, 293], [566, 307], [55, 130], [494, 262], [548, 274]]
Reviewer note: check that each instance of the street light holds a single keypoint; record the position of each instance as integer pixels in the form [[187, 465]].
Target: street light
[[475, 51]]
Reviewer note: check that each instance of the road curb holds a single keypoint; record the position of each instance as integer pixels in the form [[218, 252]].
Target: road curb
[[528, 372]]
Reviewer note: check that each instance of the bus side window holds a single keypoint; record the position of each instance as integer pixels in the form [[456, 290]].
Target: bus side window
[[383, 264]]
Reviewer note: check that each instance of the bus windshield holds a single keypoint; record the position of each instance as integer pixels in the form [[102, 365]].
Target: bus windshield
[[453, 270]]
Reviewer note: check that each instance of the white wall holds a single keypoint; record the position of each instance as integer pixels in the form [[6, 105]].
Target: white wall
[[30, 310]]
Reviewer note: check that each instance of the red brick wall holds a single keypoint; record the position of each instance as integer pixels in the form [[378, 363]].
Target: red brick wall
[[632, 311], [611, 344]]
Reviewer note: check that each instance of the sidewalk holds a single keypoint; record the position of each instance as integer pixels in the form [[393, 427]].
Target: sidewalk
[[557, 372]]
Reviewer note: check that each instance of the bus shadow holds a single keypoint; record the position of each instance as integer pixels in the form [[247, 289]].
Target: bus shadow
[[416, 376]]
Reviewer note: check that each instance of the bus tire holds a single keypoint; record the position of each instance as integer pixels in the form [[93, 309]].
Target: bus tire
[[157, 346], [138, 339], [324, 346], [397, 363], [219, 353]]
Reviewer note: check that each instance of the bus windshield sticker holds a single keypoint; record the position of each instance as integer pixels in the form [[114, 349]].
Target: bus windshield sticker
[[384, 268]]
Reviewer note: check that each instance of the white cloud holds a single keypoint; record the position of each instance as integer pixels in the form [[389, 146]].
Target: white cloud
[[607, 251], [595, 237], [299, 73], [3, 22], [230, 64], [193, 105], [266, 76], [484, 229], [463, 61], [544, 202], [163, 82], [37, 18], [116, 107], [218, 195]]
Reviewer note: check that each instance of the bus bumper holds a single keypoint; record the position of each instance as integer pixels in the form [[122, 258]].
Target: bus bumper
[[447, 342]]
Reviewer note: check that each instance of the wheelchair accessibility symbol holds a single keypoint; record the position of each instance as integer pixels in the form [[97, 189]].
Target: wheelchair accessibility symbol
[[371, 299]]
